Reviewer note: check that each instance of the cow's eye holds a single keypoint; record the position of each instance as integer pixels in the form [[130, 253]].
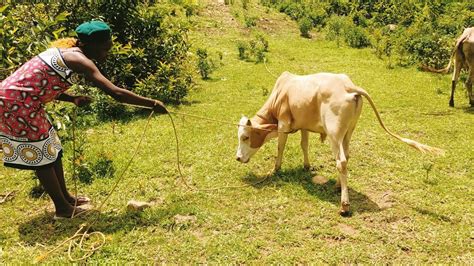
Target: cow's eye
[[245, 138]]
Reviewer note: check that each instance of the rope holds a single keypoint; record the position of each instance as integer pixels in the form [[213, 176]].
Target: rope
[[78, 239], [179, 162], [268, 70], [83, 235]]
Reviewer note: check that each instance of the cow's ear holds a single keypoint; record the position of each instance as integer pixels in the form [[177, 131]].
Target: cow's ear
[[270, 127], [249, 123]]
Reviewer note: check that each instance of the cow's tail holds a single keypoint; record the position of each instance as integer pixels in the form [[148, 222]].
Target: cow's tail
[[457, 47], [444, 70], [419, 146]]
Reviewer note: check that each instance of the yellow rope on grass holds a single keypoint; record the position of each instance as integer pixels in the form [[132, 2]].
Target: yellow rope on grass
[[79, 238]]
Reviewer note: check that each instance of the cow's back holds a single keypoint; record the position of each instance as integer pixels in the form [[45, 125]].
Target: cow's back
[[301, 100]]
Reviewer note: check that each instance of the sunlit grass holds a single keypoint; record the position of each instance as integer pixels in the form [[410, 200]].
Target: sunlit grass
[[407, 207]]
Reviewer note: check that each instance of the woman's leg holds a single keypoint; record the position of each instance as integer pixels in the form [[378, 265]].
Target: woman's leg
[[58, 169], [49, 181]]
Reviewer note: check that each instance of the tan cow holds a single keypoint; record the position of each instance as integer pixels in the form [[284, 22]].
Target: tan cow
[[463, 57], [324, 103]]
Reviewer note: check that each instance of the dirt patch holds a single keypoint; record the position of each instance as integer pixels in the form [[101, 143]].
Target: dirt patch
[[383, 200], [319, 180]]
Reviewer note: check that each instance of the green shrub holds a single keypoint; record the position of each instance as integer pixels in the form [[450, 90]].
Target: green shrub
[[263, 41], [254, 49], [103, 167], [336, 26], [150, 41], [430, 50], [305, 25], [356, 37], [250, 21], [242, 47], [318, 17], [205, 64], [25, 31]]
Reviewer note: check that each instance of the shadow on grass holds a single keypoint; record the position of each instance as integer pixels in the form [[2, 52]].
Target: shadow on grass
[[433, 215], [360, 203], [43, 229], [469, 110]]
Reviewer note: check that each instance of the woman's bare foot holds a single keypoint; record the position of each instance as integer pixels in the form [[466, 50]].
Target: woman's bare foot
[[81, 200]]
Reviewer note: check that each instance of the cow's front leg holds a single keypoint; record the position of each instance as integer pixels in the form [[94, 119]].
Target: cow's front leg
[[282, 137], [304, 146]]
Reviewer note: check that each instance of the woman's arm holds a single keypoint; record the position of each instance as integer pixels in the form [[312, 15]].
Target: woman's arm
[[77, 100], [81, 64], [65, 97]]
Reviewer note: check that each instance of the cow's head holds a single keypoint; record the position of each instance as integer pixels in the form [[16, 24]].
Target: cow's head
[[252, 137]]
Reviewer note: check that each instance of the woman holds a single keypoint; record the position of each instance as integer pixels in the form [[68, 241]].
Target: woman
[[28, 139]]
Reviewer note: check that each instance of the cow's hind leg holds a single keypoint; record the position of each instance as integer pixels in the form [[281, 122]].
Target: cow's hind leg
[[456, 72], [341, 165], [304, 146], [469, 81]]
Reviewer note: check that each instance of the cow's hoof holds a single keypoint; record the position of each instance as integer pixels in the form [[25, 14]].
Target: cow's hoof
[[345, 210], [451, 103], [307, 167]]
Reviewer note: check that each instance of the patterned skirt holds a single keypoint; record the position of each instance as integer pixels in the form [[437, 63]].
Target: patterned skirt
[[26, 154]]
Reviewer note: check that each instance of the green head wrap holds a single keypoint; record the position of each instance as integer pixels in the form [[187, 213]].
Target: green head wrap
[[93, 31]]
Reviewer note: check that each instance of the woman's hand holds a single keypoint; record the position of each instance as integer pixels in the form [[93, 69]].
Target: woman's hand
[[159, 107], [81, 101]]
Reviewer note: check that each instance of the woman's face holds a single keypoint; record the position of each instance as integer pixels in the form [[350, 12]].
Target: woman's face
[[98, 51]]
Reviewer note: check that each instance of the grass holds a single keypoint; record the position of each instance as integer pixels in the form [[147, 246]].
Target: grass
[[407, 207]]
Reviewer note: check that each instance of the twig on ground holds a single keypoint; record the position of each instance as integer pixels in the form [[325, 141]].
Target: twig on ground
[[5, 197]]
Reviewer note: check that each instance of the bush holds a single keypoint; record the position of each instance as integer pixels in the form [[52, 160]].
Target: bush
[[430, 50], [150, 41], [253, 49], [356, 37], [336, 26], [318, 17], [205, 64], [305, 25], [242, 47]]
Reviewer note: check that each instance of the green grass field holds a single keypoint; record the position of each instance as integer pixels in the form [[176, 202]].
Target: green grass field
[[407, 207]]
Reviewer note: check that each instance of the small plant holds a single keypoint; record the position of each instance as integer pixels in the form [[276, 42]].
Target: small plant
[[261, 38], [250, 21], [305, 24], [245, 4], [205, 64], [103, 167], [82, 170], [243, 50], [255, 49]]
